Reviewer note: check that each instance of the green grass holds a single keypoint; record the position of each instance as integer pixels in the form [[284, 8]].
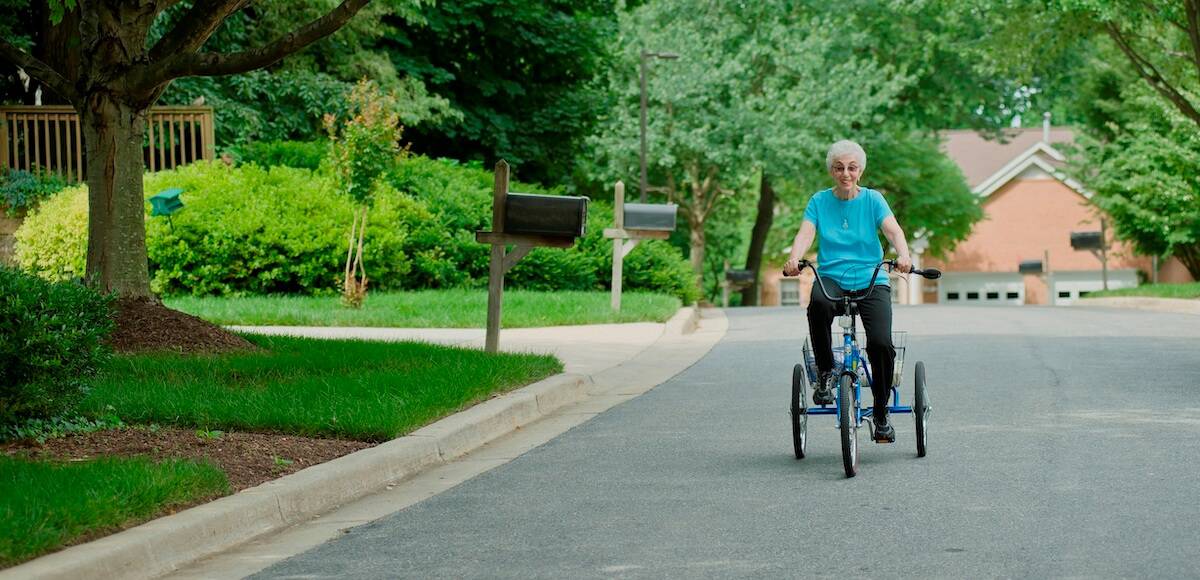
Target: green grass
[[46, 505], [1188, 290], [369, 391], [431, 309]]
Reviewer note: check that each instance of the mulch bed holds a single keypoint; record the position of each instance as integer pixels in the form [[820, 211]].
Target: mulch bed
[[145, 325], [247, 458]]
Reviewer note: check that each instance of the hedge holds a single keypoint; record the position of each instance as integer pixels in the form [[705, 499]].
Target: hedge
[[254, 230]]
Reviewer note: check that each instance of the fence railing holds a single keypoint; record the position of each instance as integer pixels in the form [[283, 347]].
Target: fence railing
[[49, 138]]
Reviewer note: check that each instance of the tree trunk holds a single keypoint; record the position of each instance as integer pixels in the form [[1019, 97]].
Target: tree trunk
[[1190, 257], [116, 256], [758, 238], [698, 241]]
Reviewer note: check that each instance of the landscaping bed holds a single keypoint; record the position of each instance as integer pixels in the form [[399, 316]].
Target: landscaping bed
[[191, 428]]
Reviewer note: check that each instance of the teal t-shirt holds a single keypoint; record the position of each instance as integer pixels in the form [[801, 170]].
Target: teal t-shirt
[[847, 232]]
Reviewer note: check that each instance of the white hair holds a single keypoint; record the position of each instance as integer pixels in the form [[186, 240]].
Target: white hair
[[843, 148]]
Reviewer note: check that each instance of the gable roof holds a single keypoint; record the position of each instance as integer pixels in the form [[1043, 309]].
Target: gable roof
[[982, 159]]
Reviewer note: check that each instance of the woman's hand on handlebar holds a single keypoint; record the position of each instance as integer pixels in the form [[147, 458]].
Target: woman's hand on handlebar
[[793, 266], [903, 264]]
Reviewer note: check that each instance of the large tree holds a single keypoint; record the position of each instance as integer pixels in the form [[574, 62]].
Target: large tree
[[760, 86], [103, 60]]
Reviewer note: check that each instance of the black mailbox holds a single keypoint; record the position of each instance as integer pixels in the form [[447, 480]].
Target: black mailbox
[[545, 215], [650, 216], [1086, 240], [740, 276], [1030, 267]]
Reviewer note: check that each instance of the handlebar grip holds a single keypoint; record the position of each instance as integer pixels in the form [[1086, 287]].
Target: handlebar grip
[[928, 273]]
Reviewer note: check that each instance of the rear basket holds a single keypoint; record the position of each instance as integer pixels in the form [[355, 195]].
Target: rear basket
[[899, 341]]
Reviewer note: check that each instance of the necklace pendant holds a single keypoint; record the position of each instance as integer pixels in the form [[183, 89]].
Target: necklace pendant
[[845, 224]]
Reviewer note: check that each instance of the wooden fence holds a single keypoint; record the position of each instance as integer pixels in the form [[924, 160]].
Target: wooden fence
[[49, 138]]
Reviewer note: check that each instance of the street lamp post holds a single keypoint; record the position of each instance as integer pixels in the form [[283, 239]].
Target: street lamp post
[[647, 55]]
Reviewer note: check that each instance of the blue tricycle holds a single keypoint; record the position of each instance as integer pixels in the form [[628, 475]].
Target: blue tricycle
[[853, 372]]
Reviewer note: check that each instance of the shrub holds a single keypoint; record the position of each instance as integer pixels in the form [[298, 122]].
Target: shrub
[[51, 345], [52, 242], [254, 230], [21, 190], [299, 154]]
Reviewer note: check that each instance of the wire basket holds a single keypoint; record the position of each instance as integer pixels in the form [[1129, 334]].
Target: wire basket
[[899, 342]]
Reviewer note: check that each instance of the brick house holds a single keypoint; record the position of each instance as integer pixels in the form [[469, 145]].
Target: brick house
[[1030, 210]]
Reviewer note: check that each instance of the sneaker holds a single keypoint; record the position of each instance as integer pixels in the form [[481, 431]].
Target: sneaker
[[884, 432], [823, 393]]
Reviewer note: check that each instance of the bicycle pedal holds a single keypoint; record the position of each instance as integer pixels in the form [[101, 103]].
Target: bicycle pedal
[[885, 439]]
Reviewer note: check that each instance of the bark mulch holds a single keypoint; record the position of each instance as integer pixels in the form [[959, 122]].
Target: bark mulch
[[145, 325], [247, 458]]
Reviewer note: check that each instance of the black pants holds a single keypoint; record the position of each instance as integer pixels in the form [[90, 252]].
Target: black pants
[[876, 314]]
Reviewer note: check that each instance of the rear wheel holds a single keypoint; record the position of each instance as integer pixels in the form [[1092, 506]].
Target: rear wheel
[[799, 410], [847, 417], [920, 408]]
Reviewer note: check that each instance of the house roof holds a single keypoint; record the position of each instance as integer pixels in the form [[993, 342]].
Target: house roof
[[981, 159]]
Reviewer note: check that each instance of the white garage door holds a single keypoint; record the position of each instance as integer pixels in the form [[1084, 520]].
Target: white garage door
[[982, 288], [1070, 286]]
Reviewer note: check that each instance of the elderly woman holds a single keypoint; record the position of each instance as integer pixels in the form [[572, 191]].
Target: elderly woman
[[847, 217]]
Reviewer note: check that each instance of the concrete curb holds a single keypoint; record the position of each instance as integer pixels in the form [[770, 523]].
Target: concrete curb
[[168, 543], [1178, 305]]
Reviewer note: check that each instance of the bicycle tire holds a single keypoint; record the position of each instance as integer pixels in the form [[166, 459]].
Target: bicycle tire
[[847, 415], [799, 410], [920, 409]]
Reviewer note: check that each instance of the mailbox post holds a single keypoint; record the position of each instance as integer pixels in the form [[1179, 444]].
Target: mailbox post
[[523, 221], [734, 280], [634, 222]]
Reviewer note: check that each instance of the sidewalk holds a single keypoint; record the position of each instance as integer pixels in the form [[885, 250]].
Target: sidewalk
[[605, 366], [1178, 305]]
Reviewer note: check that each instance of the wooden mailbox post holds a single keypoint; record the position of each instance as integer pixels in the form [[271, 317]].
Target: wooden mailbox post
[[536, 220], [650, 222]]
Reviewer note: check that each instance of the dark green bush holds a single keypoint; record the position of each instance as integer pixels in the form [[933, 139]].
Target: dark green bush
[[22, 190], [51, 345], [301, 154]]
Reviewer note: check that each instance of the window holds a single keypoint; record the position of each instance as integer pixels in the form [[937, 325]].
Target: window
[[789, 292], [993, 295], [1064, 294], [952, 296], [1084, 293], [972, 296], [1012, 296]]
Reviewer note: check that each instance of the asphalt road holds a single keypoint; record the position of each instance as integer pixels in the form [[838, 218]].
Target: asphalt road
[[1064, 442]]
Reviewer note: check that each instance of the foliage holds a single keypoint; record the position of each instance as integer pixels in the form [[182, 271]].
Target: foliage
[[51, 345], [761, 85], [51, 504], [41, 430], [1143, 175], [21, 190], [1189, 290], [520, 72], [51, 242], [253, 230], [300, 154], [365, 390], [288, 100]]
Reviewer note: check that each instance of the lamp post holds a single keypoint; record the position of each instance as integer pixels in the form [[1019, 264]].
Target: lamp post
[[647, 55]]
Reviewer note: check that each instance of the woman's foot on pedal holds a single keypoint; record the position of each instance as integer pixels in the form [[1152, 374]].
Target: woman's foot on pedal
[[884, 432], [823, 393]]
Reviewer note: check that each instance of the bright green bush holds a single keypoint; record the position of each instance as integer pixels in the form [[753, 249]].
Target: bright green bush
[[51, 345], [301, 154], [52, 242], [281, 230], [250, 230]]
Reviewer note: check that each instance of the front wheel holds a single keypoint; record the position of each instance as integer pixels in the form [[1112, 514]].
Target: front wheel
[[920, 408], [799, 410], [847, 417]]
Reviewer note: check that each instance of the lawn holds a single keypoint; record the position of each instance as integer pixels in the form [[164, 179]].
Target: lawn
[[1188, 290], [47, 504], [430, 309], [368, 391]]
